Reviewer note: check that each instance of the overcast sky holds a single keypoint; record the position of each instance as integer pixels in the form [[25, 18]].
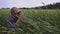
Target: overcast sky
[[25, 3]]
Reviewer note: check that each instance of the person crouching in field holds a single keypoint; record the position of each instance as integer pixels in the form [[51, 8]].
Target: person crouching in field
[[14, 18]]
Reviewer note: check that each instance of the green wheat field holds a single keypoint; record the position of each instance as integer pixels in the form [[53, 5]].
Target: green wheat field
[[36, 21]]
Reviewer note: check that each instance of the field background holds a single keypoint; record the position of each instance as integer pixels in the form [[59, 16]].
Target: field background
[[36, 21]]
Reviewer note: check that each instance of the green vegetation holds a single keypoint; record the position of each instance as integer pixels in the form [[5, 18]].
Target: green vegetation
[[36, 21]]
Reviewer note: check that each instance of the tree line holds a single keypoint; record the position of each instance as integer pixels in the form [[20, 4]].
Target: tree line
[[50, 6]]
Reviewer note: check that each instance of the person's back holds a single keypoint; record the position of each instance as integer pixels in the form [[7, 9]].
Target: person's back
[[10, 21]]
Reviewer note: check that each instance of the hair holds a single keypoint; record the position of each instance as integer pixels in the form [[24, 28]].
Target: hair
[[12, 9]]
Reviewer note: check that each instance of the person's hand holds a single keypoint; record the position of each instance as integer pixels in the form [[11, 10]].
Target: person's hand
[[20, 16]]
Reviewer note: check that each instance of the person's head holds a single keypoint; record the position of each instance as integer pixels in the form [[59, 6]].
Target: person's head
[[14, 10]]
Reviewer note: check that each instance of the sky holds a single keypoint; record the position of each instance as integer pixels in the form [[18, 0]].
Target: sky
[[25, 3]]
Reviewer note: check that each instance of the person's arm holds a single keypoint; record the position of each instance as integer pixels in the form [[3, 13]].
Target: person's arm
[[20, 18]]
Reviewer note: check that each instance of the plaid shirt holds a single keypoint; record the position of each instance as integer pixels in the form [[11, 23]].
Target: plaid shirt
[[10, 21]]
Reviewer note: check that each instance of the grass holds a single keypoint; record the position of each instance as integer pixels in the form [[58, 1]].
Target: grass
[[36, 21]]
